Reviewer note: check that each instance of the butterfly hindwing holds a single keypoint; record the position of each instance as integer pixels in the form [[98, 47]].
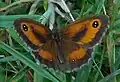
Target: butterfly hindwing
[[79, 57], [75, 55]]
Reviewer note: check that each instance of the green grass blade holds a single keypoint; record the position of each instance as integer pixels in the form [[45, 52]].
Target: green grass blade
[[8, 58], [17, 38]]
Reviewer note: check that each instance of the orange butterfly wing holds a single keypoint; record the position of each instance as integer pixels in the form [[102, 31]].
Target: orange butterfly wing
[[85, 33], [35, 35], [32, 32]]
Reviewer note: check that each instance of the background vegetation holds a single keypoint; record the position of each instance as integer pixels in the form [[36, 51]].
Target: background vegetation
[[16, 63]]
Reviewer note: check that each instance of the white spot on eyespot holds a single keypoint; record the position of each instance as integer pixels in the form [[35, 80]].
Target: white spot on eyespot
[[73, 60]]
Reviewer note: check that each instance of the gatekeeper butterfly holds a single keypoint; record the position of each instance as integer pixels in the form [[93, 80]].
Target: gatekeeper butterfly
[[63, 49]]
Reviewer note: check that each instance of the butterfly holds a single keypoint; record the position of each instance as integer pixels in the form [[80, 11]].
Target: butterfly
[[63, 49]]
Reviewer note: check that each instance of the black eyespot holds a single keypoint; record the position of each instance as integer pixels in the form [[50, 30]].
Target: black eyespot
[[25, 28], [95, 24]]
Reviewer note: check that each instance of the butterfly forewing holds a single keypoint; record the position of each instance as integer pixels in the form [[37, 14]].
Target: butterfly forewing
[[32, 32], [87, 32]]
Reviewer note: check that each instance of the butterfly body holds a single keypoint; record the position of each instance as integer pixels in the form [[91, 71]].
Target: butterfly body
[[63, 49]]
